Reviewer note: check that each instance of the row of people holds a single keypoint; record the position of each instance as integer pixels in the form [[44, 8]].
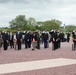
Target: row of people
[[29, 38]]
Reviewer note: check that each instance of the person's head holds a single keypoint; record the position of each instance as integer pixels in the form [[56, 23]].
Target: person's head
[[37, 30], [52, 30], [19, 29], [74, 30], [5, 32], [43, 32], [24, 31]]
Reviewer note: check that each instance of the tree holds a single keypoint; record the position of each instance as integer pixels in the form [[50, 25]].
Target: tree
[[31, 21], [70, 28], [19, 22], [39, 25], [51, 24], [31, 24]]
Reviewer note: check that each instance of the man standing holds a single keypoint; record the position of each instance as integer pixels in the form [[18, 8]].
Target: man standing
[[0, 41], [58, 39], [26, 39], [54, 40], [38, 39], [5, 40], [11, 40], [68, 36], [29, 39], [19, 39], [45, 39]]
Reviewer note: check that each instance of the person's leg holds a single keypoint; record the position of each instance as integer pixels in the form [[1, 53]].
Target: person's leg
[[74, 45], [26, 44], [19, 44], [33, 46], [10, 44], [38, 45], [44, 44]]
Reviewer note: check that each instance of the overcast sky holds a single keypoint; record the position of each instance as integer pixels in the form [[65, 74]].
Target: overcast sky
[[41, 10]]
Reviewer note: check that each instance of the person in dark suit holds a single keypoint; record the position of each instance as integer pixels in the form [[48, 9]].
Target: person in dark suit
[[0, 41], [62, 37], [54, 40], [5, 40], [38, 39], [26, 39], [58, 39], [45, 39], [29, 39], [11, 40], [19, 39], [68, 36]]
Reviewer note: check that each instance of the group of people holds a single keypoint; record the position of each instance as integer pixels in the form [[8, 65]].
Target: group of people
[[32, 39]]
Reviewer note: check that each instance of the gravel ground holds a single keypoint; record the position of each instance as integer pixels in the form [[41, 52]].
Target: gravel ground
[[14, 56]]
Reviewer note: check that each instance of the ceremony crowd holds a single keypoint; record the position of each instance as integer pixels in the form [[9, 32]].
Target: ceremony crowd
[[34, 39]]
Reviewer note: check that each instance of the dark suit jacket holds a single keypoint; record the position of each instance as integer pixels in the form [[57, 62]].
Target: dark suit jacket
[[5, 37], [19, 36], [11, 38]]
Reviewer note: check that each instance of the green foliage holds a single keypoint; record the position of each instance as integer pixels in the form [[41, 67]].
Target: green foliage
[[19, 22], [49, 25], [61, 29], [31, 24], [31, 21], [70, 28], [30, 27]]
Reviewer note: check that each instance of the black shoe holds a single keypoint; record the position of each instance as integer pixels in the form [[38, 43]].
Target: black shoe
[[32, 49], [25, 47]]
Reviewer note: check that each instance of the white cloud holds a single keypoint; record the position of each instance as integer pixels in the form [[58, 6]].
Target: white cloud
[[63, 10]]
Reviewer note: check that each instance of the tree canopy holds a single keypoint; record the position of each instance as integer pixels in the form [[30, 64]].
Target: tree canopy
[[19, 22]]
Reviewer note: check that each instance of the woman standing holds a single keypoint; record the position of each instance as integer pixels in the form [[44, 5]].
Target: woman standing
[[34, 40]]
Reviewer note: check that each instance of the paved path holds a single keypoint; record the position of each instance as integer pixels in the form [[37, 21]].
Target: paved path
[[35, 65]]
